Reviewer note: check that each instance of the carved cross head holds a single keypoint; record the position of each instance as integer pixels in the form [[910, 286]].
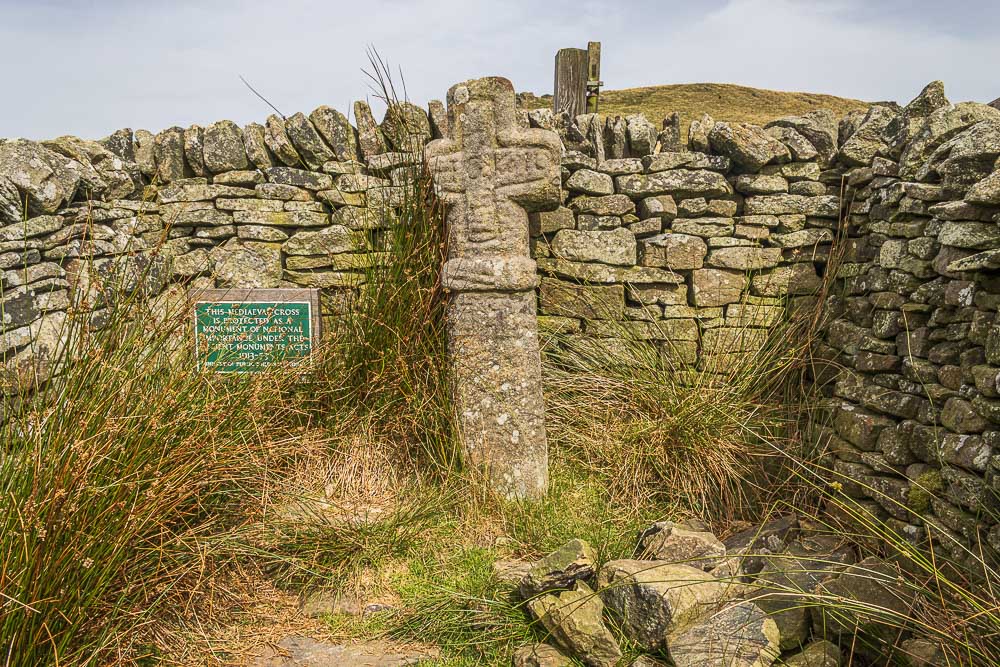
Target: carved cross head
[[488, 152]]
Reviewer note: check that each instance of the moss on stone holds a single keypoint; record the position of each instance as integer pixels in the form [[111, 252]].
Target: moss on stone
[[924, 488]]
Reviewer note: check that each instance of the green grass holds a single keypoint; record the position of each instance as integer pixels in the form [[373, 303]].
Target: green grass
[[449, 594]]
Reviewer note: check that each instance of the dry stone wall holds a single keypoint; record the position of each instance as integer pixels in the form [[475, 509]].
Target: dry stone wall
[[694, 248], [301, 201], [914, 417]]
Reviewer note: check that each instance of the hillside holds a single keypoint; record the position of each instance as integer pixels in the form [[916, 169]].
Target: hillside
[[723, 101]]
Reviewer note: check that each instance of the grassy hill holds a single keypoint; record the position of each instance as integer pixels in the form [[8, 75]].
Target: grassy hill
[[723, 101]]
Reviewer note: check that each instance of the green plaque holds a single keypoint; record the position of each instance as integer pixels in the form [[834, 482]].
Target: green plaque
[[246, 331]]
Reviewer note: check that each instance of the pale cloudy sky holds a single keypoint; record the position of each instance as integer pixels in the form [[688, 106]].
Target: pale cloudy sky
[[87, 67]]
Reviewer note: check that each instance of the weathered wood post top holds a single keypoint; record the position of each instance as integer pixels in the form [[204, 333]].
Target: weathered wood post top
[[491, 173]]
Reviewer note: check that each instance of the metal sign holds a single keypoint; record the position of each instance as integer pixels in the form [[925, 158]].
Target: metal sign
[[250, 330]]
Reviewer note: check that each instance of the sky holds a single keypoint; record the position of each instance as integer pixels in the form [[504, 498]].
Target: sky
[[89, 67]]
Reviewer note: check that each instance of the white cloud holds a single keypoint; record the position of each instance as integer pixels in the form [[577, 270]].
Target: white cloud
[[88, 68]]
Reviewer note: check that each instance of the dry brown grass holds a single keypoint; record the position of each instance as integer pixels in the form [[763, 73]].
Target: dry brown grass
[[240, 613], [723, 101]]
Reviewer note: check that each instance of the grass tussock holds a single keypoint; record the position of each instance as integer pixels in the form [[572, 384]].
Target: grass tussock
[[657, 431], [113, 466], [385, 375]]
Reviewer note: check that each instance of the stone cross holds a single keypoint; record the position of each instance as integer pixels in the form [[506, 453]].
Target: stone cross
[[490, 174]]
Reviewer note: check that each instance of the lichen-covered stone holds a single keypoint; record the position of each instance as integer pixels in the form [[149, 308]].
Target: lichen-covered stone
[[868, 141], [681, 183], [327, 241], [438, 117], [737, 635], [673, 251], [583, 301], [103, 175], [405, 127], [782, 204], [798, 146], [223, 147], [256, 146], [651, 599], [901, 130], [337, 131], [662, 206], [972, 235], [546, 222], [145, 155], [986, 191], [575, 620], [11, 206], [760, 184], [747, 145], [669, 138], [744, 258], [299, 178], [276, 139], [940, 126], [247, 264], [716, 287], [370, 138], [168, 147], [572, 562], [616, 247], [591, 183], [542, 655], [641, 135], [48, 179], [606, 205], [121, 143], [677, 543], [194, 141], [307, 141], [819, 127]]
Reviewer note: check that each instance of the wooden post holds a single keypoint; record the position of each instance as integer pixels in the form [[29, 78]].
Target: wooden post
[[570, 93], [594, 82]]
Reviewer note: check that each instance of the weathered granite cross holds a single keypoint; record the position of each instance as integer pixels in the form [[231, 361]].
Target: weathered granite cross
[[491, 173]]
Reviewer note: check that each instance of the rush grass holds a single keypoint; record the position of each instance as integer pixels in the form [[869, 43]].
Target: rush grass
[[656, 430], [117, 457], [386, 375]]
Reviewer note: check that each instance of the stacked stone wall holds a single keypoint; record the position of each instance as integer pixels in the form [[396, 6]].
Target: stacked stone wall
[[695, 248], [301, 201], [913, 423]]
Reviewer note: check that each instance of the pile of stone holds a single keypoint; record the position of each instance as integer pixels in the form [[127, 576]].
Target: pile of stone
[[751, 600], [913, 421]]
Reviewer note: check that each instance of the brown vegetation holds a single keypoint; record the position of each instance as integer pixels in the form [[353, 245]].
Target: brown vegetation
[[723, 101]]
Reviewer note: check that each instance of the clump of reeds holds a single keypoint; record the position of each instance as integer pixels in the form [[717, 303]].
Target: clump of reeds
[[386, 370], [116, 456], [656, 430]]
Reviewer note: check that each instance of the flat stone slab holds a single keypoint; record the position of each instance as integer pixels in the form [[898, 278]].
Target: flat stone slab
[[297, 651]]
